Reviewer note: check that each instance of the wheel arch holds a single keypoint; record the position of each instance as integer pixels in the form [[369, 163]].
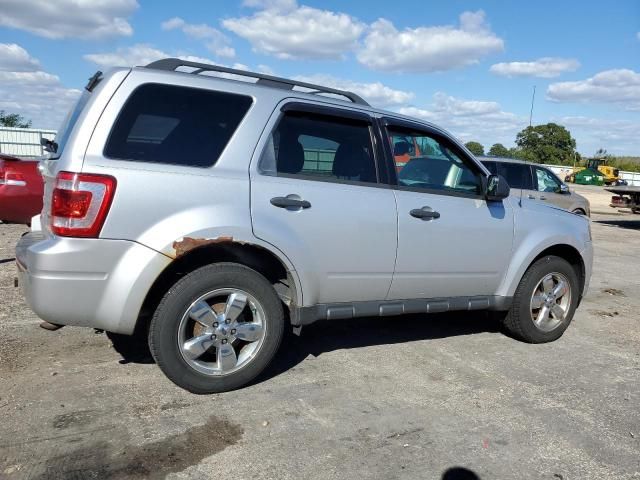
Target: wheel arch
[[520, 265], [568, 253], [192, 255]]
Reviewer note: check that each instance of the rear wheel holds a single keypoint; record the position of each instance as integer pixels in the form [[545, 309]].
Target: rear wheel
[[217, 328], [545, 301]]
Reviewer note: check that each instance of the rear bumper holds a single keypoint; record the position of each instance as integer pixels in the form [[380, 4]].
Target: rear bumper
[[87, 282]]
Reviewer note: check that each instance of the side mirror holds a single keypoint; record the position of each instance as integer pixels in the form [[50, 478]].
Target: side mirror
[[497, 188], [564, 189]]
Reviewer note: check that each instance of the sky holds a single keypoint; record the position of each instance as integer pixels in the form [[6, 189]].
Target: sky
[[467, 66]]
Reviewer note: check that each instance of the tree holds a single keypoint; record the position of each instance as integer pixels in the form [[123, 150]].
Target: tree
[[550, 143], [498, 150], [475, 148], [13, 120]]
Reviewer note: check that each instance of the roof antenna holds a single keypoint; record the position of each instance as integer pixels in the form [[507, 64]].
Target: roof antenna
[[533, 97]]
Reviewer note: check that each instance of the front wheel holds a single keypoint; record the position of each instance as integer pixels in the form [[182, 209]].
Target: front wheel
[[545, 301], [217, 328]]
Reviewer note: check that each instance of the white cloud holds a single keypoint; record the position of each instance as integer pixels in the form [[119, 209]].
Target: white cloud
[[289, 31], [620, 87], [546, 67], [215, 41], [429, 49], [14, 58], [36, 95], [137, 55], [375, 93], [91, 19], [482, 121], [618, 137]]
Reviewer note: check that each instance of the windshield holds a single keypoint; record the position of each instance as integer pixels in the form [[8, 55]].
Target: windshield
[[68, 123]]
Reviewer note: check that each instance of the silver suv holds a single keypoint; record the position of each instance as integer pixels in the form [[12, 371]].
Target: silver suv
[[209, 213]]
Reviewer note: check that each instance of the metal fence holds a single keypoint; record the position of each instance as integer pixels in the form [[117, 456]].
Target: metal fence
[[23, 142]]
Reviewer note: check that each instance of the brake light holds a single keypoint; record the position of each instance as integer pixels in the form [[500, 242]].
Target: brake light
[[80, 204]]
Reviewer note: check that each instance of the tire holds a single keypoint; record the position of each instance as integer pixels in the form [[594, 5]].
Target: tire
[[579, 211], [520, 321], [175, 336]]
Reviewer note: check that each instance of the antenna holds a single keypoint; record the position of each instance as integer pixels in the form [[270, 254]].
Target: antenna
[[533, 97]]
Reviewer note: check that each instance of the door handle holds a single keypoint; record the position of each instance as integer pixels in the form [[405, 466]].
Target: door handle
[[531, 197], [289, 202], [542, 197], [426, 213]]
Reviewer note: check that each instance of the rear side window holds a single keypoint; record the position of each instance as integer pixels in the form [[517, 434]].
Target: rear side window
[[518, 175], [491, 166], [320, 147], [176, 125]]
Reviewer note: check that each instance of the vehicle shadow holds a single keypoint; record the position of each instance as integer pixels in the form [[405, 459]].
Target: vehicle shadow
[[630, 224], [329, 335]]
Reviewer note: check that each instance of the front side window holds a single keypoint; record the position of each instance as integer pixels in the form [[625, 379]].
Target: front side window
[[320, 147], [175, 125], [547, 181], [427, 162]]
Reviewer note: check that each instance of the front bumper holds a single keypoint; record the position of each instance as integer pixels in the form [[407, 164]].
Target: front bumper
[[95, 283]]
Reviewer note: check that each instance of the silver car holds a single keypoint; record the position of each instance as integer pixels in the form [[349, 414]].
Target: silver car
[[210, 213], [537, 182]]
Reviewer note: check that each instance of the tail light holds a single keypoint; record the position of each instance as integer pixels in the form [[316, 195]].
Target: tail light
[[80, 204], [13, 179]]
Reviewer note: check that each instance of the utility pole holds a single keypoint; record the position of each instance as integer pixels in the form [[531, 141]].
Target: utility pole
[[533, 97]]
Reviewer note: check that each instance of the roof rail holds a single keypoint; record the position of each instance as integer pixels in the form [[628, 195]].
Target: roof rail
[[171, 64]]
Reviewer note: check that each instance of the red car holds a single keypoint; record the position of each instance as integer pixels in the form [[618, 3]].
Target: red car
[[21, 189]]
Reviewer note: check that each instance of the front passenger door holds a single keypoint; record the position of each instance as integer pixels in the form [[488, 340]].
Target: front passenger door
[[549, 188], [451, 241]]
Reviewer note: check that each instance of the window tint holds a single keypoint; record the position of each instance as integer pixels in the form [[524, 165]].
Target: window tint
[[318, 146], [547, 181], [175, 125], [491, 166], [425, 161], [518, 175]]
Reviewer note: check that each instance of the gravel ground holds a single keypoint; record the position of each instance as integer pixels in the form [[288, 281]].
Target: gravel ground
[[406, 397]]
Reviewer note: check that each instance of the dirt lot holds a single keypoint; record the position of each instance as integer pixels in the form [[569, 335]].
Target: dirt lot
[[409, 397]]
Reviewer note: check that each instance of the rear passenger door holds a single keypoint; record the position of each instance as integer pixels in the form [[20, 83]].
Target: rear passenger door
[[317, 195]]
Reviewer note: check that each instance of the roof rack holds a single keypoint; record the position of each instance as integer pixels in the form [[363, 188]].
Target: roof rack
[[171, 64]]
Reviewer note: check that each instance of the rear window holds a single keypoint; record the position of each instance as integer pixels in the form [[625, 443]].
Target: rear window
[[176, 125], [68, 123]]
